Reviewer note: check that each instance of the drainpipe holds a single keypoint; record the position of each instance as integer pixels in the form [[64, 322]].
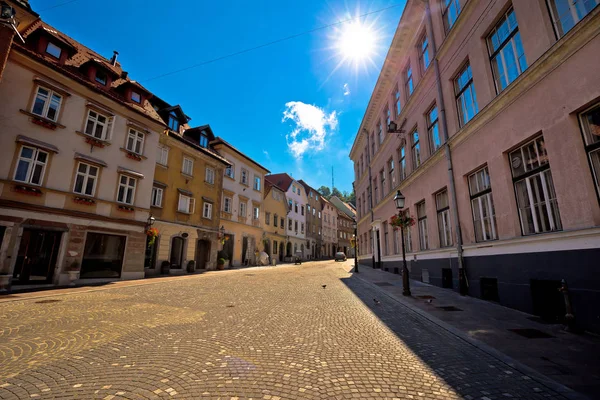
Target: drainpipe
[[462, 277], [371, 196]]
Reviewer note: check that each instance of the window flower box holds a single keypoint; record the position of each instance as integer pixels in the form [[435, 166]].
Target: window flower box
[[126, 208], [28, 190], [95, 142], [133, 156], [85, 201], [44, 123]]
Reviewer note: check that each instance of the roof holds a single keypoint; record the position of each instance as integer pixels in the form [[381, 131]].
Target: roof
[[282, 180], [201, 149], [307, 187], [219, 141], [82, 56]]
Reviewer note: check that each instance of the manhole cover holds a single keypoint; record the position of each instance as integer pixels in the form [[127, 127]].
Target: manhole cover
[[531, 333], [449, 308], [47, 301], [383, 284], [425, 297]]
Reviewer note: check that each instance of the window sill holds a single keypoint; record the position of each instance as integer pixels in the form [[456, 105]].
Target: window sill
[[132, 155], [186, 175], [84, 200], [230, 177], [153, 206], [42, 121], [26, 189], [184, 212], [126, 208], [206, 218], [162, 165], [209, 183], [95, 142]]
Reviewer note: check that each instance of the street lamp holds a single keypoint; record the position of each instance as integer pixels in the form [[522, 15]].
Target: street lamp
[[150, 221], [399, 199], [355, 247], [393, 128]]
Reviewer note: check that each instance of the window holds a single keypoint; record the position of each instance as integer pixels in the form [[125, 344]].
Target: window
[[268, 218], [209, 175], [386, 250], [443, 214], [422, 222], [243, 209], [85, 179], [376, 191], [31, 165], [136, 97], [282, 223], [46, 104], [203, 139], [293, 189], [135, 141], [97, 125], [173, 121], [313, 228], [401, 162], [382, 180], [466, 101], [162, 156], [567, 13], [53, 50], [534, 188], [126, 190], [407, 238], [391, 176], [207, 210], [244, 177], [296, 207], [397, 104], [424, 53], [408, 82], [188, 166], [380, 132], [227, 204], [506, 51], [290, 224], [296, 226], [388, 117], [256, 183], [301, 210], [308, 209], [290, 204], [230, 171], [186, 204], [302, 227], [590, 122], [256, 212], [157, 195], [313, 210], [319, 214], [484, 217], [275, 246], [373, 145], [450, 11], [102, 256], [416, 150], [433, 129], [101, 77]]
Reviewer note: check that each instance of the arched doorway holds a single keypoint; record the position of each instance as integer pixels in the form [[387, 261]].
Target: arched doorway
[[281, 251], [288, 250], [176, 257]]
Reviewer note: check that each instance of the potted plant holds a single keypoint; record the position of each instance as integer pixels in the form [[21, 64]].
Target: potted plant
[[152, 234], [73, 271], [191, 266], [221, 263], [165, 268]]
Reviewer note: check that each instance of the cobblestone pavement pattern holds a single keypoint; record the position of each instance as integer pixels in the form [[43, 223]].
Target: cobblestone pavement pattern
[[269, 333]]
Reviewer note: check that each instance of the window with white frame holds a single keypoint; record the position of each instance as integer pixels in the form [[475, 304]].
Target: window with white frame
[[230, 171], [506, 51], [207, 210], [157, 195], [136, 97], [433, 129], [126, 192], [187, 166], [443, 217], [209, 175], [302, 210], [450, 12], [243, 207], [86, 179], [257, 183], [402, 162], [31, 165], [162, 156], [567, 13], [313, 212], [290, 224], [482, 203], [380, 132], [422, 223], [98, 125], [135, 141], [53, 50], [424, 53], [408, 82], [244, 177], [416, 150], [173, 121], [397, 102], [255, 213], [267, 218], [590, 123], [186, 204], [227, 204], [391, 176], [534, 188], [46, 103], [302, 227], [466, 100]]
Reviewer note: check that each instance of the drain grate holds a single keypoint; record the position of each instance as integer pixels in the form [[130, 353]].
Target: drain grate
[[531, 333], [383, 284], [449, 308], [425, 297], [47, 301]]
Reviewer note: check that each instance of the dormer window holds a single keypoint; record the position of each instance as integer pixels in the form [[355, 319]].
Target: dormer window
[[101, 77], [173, 122], [203, 139], [136, 97], [53, 50]]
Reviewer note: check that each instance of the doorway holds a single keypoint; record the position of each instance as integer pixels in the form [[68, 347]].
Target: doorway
[[228, 248], [37, 255], [202, 253], [176, 256], [267, 244], [288, 251], [548, 301], [244, 250], [281, 251], [150, 256]]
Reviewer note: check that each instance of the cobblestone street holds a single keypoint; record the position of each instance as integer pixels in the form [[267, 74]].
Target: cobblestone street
[[264, 333]]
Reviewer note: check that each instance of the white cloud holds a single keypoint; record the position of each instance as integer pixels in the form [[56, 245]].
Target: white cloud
[[312, 127], [346, 89], [266, 153]]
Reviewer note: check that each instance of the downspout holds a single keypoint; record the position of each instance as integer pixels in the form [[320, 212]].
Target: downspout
[[370, 197], [462, 276]]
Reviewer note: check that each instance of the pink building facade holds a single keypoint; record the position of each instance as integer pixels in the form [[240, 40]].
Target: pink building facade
[[497, 152]]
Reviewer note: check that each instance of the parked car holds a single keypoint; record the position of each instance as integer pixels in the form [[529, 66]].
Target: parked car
[[340, 256]]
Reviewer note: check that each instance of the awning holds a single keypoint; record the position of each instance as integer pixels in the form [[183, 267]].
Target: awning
[[93, 160], [36, 143]]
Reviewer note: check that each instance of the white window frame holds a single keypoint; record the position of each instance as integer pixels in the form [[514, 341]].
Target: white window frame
[[157, 196], [136, 97], [86, 176], [136, 138], [207, 210], [186, 204], [162, 152], [128, 187], [244, 176], [255, 213], [257, 182], [51, 48], [444, 223], [32, 163], [190, 163], [47, 100], [230, 171], [243, 209], [422, 224], [482, 205], [209, 175], [106, 126], [227, 204]]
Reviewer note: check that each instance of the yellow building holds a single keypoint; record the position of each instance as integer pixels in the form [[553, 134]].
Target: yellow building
[[186, 196], [276, 210]]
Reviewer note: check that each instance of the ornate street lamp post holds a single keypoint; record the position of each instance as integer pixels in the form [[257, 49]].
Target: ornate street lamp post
[[355, 247], [399, 199]]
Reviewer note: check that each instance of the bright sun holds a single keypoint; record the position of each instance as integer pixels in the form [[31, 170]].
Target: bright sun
[[357, 42]]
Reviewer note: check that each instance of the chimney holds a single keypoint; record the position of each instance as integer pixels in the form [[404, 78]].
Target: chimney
[[124, 74], [113, 60]]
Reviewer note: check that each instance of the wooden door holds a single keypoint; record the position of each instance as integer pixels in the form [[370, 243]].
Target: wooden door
[[37, 255]]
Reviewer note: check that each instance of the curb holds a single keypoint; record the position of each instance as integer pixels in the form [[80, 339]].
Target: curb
[[511, 362]]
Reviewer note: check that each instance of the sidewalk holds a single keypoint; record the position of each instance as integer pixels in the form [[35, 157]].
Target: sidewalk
[[569, 359]]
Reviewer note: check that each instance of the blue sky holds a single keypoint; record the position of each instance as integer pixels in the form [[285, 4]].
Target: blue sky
[[286, 106]]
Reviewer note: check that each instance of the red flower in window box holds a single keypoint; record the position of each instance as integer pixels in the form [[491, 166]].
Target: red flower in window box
[[43, 122], [28, 190], [134, 156], [94, 142], [401, 221], [126, 209], [83, 200]]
